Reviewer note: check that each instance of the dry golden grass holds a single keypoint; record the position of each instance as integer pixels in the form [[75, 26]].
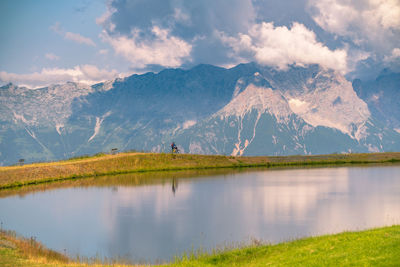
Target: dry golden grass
[[14, 176], [16, 251], [30, 248]]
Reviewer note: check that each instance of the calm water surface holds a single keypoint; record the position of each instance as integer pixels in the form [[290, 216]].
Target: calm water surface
[[152, 222]]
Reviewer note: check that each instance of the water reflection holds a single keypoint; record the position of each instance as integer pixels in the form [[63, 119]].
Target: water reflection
[[131, 179], [174, 185], [155, 217]]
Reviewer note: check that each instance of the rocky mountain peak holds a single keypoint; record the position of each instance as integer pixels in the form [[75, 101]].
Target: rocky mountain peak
[[245, 110]]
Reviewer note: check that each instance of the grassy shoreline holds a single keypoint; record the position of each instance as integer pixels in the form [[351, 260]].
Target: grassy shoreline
[[31, 174], [379, 246]]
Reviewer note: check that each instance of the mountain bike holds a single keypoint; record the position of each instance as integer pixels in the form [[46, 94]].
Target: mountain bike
[[175, 150]]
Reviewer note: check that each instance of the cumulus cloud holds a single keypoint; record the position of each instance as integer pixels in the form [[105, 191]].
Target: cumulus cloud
[[282, 46], [164, 26], [75, 37], [105, 19], [87, 74], [336, 34], [163, 49], [395, 55], [339, 16], [184, 18], [396, 52], [371, 24], [52, 56]]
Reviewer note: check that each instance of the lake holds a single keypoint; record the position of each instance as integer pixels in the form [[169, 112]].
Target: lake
[[155, 216]]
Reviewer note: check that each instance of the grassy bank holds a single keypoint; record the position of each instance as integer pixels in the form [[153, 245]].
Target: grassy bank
[[376, 247], [20, 252], [15, 176]]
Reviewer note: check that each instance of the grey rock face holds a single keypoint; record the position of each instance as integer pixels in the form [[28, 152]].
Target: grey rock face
[[245, 110]]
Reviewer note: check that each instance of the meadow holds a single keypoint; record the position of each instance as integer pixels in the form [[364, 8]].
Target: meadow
[[375, 247], [105, 164]]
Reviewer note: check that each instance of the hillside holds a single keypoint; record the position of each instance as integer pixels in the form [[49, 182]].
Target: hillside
[[16, 176]]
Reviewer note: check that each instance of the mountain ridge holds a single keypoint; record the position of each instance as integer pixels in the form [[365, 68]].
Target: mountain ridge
[[301, 110]]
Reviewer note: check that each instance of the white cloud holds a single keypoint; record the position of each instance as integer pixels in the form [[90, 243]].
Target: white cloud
[[76, 37], [367, 22], [103, 51], [394, 56], [164, 49], [105, 19], [57, 28], [281, 47], [396, 52], [52, 56], [87, 74], [189, 26], [181, 16]]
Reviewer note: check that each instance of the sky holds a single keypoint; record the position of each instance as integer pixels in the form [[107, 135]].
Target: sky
[[45, 41]]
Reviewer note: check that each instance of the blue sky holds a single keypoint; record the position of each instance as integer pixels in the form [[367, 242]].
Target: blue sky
[[88, 41], [27, 35]]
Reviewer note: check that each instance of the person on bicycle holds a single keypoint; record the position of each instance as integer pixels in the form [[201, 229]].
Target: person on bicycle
[[173, 147]]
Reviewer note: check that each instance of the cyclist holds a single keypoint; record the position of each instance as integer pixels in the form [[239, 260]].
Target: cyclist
[[174, 148]]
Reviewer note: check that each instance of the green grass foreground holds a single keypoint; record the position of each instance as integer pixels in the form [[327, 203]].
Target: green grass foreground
[[15, 176], [376, 247]]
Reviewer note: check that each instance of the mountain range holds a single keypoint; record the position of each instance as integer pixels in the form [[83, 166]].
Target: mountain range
[[245, 110]]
